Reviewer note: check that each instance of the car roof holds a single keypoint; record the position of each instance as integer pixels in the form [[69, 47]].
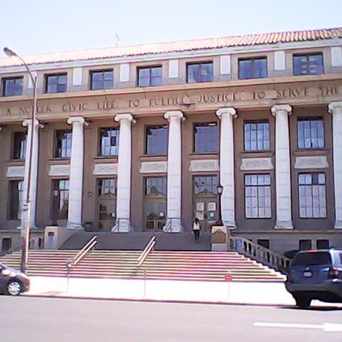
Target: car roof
[[330, 250]]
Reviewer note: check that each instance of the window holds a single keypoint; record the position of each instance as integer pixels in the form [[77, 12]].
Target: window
[[150, 76], [155, 186], [19, 148], [101, 79], [56, 83], [205, 185], [308, 64], [16, 199], [305, 245], [12, 86], [156, 140], [199, 72], [312, 201], [310, 133], [6, 245], [306, 259], [256, 136], [60, 199], [63, 144], [109, 142], [258, 196], [252, 68], [206, 137], [106, 203], [323, 244], [264, 243]]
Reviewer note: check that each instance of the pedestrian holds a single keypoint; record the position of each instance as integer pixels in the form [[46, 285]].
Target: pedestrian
[[196, 228]]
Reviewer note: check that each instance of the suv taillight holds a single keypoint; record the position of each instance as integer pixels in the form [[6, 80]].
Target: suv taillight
[[334, 273]]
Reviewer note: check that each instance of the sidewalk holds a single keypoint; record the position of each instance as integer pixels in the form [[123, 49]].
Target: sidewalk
[[162, 290]]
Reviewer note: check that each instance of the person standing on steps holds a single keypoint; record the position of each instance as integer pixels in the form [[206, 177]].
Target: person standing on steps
[[196, 228]]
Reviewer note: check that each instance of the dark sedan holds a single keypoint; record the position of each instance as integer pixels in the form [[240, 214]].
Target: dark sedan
[[12, 281]]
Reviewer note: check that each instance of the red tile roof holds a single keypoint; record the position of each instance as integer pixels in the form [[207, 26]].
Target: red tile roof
[[182, 46]]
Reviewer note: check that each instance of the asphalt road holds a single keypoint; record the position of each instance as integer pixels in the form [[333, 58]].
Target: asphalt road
[[60, 320]]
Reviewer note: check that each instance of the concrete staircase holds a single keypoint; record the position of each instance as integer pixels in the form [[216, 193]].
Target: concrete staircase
[[167, 265]]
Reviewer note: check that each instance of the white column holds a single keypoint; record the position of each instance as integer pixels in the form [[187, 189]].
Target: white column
[[174, 171], [335, 108], [34, 171], [227, 165], [283, 166], [76, 173], [124, 173]]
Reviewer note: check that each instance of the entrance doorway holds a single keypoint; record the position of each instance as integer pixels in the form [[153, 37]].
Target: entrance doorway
[[6, 245], [205, 200]]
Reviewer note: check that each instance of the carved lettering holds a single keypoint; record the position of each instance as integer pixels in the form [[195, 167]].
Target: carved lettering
[[328, 91]]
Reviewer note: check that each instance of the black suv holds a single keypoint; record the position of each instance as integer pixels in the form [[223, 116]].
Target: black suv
[[315, 274], [12, 281]]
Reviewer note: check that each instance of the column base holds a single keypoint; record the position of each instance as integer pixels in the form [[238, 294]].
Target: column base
[[173, 225], [122, 225], [283, 225], [338, 225], [76, 226]]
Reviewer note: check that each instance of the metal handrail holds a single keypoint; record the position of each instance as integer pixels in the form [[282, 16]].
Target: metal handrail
[[82, 253], [260, 253], [146, 251]]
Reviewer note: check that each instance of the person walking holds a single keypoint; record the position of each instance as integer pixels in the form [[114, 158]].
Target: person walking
[[196, 228]]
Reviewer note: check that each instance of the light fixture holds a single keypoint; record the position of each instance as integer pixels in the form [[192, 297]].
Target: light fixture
[[219, 189], [8, 52]]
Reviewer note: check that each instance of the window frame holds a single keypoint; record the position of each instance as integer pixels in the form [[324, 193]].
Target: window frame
[[149, 68], [263, 121], [98, 71], [200, 64], [311, 118], [252, 60], [99, 148], [13, 144], [55, 187], [10, 201], [11, 78], [55, 144], [206, 123], [147, 127], [307, 56], [46, 80]]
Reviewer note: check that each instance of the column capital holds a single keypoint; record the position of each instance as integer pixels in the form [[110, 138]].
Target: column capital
[[226, 110], [281, 108], [124, 116], [335, 107], [173, 114], [76, 119], [28, 122]]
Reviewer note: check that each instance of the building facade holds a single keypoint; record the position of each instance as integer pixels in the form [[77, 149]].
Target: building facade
[[139, 138]]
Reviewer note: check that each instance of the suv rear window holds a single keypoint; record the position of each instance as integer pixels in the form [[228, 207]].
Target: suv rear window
[[316, 258]]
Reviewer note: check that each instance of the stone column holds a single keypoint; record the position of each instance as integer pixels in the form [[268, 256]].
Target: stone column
[[227, 165], [335, 108], [124, 173], [34, 170], [76, 173], [283, 167], [174, 171]]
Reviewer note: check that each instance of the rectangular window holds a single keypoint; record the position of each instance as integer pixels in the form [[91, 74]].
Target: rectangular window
[[56, 83], [323, 244], [109, 142], [310, 133], [256, 136], [206, 137], [199, 72], [63, 144], [16, 199], [304, 245], [308, 64], [19, 145], [61, 198], [101, 79], [264, 243], [258, 196], [312, 197], [252, 68], [156, 140], [149, 76], [155, 186], [12, 86], [205, 185]]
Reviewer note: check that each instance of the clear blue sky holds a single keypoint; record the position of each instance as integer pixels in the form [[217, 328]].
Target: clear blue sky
[[35, 26]]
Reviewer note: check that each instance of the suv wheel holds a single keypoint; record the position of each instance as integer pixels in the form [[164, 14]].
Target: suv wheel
[[14, 288], [302, 301]]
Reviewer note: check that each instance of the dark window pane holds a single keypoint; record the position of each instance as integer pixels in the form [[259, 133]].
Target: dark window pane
[[156, 140], [323, 244], [63, 144], [155, 186], [306, 259], [252, 68], [109, 142], [19, 148], [205, 185], [56, 83], [206, 138], [101, 79], [60, 199], [12, 86], [200, 72], [308, 64], [150, 76], [310, 133], [256, 136], [15, 199]]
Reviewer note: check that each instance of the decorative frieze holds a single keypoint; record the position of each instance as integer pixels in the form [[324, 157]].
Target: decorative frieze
[[312, 162], [59, 170], [105, 169], [153, 167], [204, 165], [15, 171]]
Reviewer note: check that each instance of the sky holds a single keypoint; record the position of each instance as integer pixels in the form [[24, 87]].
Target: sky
[[43, 26]]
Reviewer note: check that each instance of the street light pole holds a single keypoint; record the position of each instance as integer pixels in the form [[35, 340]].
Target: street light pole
[[25, 236]]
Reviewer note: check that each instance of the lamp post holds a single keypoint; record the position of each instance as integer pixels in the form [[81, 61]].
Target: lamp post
[[219, 190], [25, 235]]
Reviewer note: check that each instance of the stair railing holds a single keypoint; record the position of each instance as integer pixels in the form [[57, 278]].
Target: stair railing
[[82, 253], [259, 253], [146, 251]]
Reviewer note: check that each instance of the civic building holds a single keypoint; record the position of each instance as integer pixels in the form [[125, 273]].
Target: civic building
[[138, 138]]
